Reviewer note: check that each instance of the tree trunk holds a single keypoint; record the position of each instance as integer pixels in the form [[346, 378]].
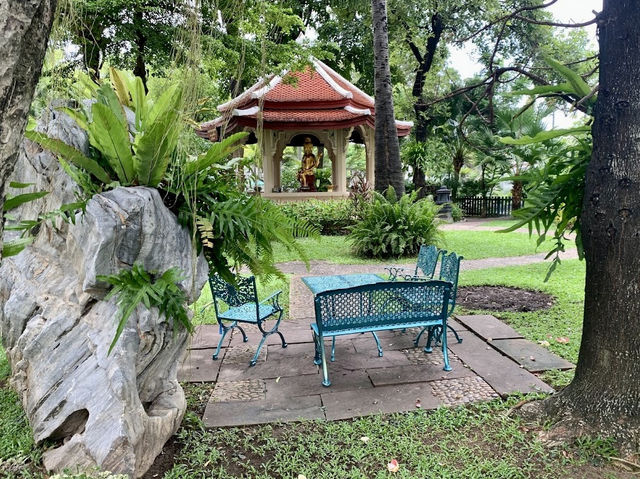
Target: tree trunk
[[387, 153], [516, 195], [424, 66], [140, 70], [605, 393], [24, 31]]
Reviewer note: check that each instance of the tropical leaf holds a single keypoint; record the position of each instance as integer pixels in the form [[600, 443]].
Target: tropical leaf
[[70, 154], [580, 87], [15, 201], [120, 86], [17, 185], [546, 135], [543, 89], [157, 140], [13, 247], [113, 141]]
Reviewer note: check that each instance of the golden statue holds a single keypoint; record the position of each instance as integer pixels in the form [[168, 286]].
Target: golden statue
[[307, 174]]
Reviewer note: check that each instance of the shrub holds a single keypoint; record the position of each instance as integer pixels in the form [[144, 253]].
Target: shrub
[[456, 212], [395, 227], [333, 217]]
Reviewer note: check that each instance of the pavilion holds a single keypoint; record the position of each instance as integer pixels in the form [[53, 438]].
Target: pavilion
[[282, 110]]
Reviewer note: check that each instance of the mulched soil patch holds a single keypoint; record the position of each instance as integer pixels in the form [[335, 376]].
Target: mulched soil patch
[[502, 298]]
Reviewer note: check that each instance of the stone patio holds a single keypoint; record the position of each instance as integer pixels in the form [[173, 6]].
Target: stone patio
[[492, 361]]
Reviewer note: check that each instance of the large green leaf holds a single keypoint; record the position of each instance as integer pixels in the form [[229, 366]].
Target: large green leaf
[[70, 154], [112, 139], [12, 248], [580, 87], [543, 89], [216, 154], [546, 135], [15, 201], [157, 141]]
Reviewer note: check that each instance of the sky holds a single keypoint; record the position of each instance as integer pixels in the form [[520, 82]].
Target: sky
[[564, 11]]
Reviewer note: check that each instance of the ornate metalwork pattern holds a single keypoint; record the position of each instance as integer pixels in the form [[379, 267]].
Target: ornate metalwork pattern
[[427, 260], [449, 271], [244, 291], [380, 306], [244, 307]]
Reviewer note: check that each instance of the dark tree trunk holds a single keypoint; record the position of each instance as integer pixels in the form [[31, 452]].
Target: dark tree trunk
[[605, 394], [24, 31], [516, 195], [424, 66], [387, 153], [140, 70], [458, 163]]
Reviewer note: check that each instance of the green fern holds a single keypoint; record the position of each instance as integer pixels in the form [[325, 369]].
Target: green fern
[[393, 227], [137, 286]]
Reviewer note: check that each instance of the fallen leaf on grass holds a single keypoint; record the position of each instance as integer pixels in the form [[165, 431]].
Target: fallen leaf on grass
[[302, 476], [562, 340], [393, 466], [544, 343], [365, 439]]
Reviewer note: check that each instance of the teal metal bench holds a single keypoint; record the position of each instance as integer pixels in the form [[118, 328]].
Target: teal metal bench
[[244, 307], [425, 265], [379, 307], [449, 272]]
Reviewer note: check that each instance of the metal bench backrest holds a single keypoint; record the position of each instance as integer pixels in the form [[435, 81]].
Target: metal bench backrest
[[234, 295], [380, 304], [427, 260], [449, 271]]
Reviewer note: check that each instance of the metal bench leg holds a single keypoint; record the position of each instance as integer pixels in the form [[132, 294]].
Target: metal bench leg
[[416, 341], [244, 335], [375, 336], [284, 343], [255, 356], [430, 336], [316, 342], [325, 370], [445, 351], [333, 349], [455, 333], [225, 330]]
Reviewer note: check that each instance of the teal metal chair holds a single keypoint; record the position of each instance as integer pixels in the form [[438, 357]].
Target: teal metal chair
[[244, 307], [449, 271], [426, 263]]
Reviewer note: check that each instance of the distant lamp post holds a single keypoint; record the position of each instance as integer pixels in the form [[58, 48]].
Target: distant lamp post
[[443, 197]]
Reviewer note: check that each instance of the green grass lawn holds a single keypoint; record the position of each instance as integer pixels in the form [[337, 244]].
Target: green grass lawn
[[470, 244], [562, 320], [479, 441]]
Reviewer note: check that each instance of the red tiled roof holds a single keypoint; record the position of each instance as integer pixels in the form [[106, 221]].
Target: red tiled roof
[[315, 98]]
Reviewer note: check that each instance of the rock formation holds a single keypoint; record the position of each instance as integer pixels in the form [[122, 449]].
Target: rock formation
[[116, 411]]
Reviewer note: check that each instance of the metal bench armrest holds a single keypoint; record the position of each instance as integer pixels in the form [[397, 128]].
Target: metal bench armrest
[[273, 299]]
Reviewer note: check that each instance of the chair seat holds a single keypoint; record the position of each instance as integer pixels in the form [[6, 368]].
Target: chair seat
[[247, 313]]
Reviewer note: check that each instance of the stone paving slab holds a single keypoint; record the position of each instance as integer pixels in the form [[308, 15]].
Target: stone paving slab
[[197, 366], [488, 327], [207, 336], [502, 374], [311, 384], [533, 357], [242, 390], [384, 399], [223, 414], [417, 373]]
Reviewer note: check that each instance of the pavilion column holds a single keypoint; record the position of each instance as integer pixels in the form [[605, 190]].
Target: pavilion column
[[271, 148], [340, 141], [370, 149]]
